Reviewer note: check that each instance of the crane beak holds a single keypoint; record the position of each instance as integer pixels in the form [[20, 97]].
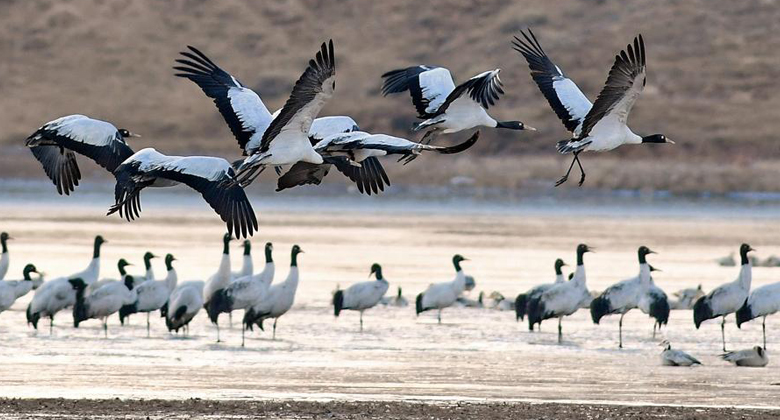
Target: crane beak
[[134, 135], [528, 128], [668, 140]]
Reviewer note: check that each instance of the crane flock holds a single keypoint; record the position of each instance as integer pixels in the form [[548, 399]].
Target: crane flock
[[303, 146], [90, 296]]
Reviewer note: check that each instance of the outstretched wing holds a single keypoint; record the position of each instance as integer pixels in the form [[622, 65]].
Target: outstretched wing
[[60, 166], [391, 145], [95, 139], [484, 89], [427, 85], [243, 110], [309, 95], [212, 177], [624, 85], [563, 95], [323, 127], [369, 178]]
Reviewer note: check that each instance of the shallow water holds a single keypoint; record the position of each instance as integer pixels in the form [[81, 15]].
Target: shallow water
[[476, 353]]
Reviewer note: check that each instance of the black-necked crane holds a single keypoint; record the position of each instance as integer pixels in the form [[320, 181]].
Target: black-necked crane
[[763, 301], [521, 301], [624, 295], [11, 290], [151, 295], [727, 298], [56, 143], [278, 300], [562, 299], [442, 295], [444, 107], [600, 126], [361, 296], [212, 177], [58, 294]]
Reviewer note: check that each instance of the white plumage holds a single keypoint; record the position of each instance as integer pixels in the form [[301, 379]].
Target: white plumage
[[212, 298], [562, 299], [244, 292], [286, 140], [447, 108], [101, 302], [5, 258], [727, 298], [151, 295], [58, 294], [763, 301], [599, 126], [54, 144], [623, 296], [185, 302], [361, 296], [685, 298], [212, 177], [278, 300], [521, 301], [442, 295], [11, 290], [755, 357], [655, 303], [671, 357]]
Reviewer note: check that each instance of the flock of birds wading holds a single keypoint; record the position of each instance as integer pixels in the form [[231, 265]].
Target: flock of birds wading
[[92, 297]]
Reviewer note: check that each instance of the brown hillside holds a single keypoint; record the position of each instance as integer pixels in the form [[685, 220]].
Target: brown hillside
[[714, 65]]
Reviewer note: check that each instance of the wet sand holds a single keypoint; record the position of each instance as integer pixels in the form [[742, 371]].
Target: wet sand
[[205, 409]]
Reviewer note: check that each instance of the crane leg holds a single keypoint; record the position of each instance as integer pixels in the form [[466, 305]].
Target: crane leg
[[620, 332], [147, 325], [51, 325], [242, 337], [763, 327], [654, 325], [723, 332], [273, 337], [560, 331], [361, 321], [439, 316], [566, 177], [218, 340], [105, 327], [582, 171], [230, 320]]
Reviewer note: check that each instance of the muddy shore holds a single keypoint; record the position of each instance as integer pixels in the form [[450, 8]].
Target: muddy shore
[[280, 409]]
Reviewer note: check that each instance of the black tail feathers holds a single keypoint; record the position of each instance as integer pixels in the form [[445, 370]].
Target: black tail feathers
[[338, 302], [520, 306]]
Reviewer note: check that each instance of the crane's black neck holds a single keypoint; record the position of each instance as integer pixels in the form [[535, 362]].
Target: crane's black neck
[[247, 248], [580, 257], [4, 243], [148, 261], [226, 245], [96, 248], [294, 258], [27, 270], [121, 266], [558, 267], [378, 273], [743, 254], [268, 257], [169, 263]]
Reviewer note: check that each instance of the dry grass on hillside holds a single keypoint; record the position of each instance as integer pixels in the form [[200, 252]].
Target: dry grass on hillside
[[712, 85]]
